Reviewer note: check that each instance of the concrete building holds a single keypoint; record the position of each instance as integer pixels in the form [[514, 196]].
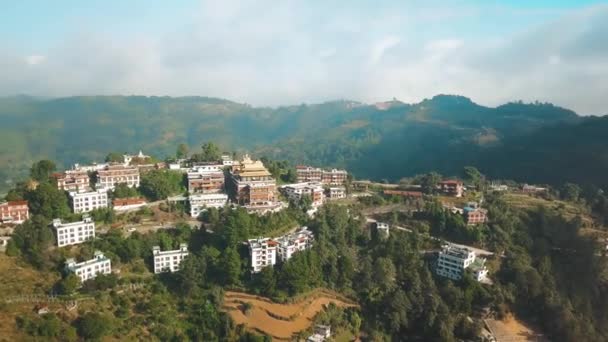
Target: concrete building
[[383, 230], [90, 168], [14, 212], [337, 192], [205, 181], [74, 233], [72, 180], [452, 188], [262, 252], [295, 242], [321, 333], [227, 160], [252, 185], [314, 191], [83, 202], [318, 175], [475, 215], [111, 175], [169, 261], [200, 202], [454, 260], [126, 204], [91, 268]]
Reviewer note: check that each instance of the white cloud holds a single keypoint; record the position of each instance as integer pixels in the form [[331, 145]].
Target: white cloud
[[34, 59], [288, 53]]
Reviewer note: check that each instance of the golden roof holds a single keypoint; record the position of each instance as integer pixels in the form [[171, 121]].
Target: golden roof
[[251, 168]]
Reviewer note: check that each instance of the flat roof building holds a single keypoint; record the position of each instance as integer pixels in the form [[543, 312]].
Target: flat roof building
[[454, 260], [200, 202], [74, 233], [89, 269], [169, 261], [111, 175], [15, 212], [86, 201]]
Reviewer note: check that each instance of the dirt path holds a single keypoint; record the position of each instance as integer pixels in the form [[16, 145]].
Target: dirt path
[[281, 321]]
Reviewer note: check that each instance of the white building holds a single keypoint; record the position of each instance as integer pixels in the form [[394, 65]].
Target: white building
[[90, 168], [227, 160], [83, 202], [74, 233], [454, 260], [321, 333], [200, 202], [294, 192], [336, 193], [169, 261], [295, 242], [128, 158], [383, 229], [112, 175], [206, 167], [262, 252], [91, 268]]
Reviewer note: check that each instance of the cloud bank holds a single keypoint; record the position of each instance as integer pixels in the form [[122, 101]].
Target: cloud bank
[[288, 52]]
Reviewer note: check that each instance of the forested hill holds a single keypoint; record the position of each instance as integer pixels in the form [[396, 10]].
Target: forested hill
[[382, 141]]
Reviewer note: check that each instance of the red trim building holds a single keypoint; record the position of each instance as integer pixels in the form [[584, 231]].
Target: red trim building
[[14, 212]]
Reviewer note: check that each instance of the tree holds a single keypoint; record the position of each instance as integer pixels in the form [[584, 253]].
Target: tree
[[182, 151], [210, 153], [48, 201], [570, 192], [231, 265], [41, 170], [429, 182], [114, 157], [69, 284], [122, 190], [160, 184], [94, 325], [473, 176]]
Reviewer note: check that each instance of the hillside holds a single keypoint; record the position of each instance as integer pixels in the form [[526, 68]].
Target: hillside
[[443, 133]]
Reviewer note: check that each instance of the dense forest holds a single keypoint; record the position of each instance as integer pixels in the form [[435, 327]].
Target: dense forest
[[386, 141]]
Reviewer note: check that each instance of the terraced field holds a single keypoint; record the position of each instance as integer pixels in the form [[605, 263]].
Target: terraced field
[[281, 321]]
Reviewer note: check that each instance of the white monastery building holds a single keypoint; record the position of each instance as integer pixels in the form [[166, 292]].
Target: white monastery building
[[91, 268], [454, 260], [169, 261], [83, 202], [74, 233], [200, 202]]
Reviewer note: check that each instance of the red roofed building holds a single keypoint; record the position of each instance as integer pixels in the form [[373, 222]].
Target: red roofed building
[[452, 187], [72, 180], [14, 212]]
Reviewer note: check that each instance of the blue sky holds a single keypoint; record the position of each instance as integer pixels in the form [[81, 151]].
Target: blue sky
[[286, 52]]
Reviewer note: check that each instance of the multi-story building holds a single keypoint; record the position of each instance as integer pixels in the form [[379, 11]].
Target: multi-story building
[[336, 193], [475, 215], [321, 333], [90, 168], [72, 180], [83, 202], [200, 202], [74, 233], [382, 229], [205, 182], [252, 184], [91, 268], [454, 260], [262, 252], [169, 261], [314, 191], [452, 187], [327, 177], [112, 175], [207, 167], [292, 243], [15, 212], [124, 204]]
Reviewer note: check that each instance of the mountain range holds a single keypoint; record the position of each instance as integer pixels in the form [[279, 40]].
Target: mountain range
[[537, 142]]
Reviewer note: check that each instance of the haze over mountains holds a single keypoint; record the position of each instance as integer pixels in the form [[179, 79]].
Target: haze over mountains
[[531, 142]]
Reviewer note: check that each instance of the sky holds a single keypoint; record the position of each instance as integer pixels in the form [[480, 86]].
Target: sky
[[282, 52]]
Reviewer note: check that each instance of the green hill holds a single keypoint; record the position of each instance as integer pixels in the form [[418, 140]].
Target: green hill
[[389, 140]]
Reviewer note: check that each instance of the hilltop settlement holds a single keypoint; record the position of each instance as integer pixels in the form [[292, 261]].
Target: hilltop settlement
[[157, 242]]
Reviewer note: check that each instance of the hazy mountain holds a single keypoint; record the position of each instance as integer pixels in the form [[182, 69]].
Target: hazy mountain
[[386, 140]]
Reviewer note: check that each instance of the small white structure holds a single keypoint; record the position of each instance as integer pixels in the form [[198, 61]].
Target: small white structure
[[169, 261], [454, 260], [336, 193], [90, 168], [295, 192], [263, 252], [295, 242], [74, 233], [200, 202], [321, 333], [91, 268], [227, 160], [383, 229], [128, 158], [206, 167], [83, 202]]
